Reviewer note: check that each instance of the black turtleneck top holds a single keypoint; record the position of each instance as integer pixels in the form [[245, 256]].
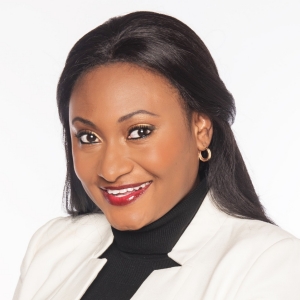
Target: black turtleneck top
[[134, 255]]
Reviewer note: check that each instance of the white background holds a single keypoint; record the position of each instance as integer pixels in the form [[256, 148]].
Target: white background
[[255, 45]]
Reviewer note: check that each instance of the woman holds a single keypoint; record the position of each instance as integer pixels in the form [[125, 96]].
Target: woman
[[161, 205]]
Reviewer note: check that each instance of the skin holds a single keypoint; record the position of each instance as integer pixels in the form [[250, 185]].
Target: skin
[[168, 156]]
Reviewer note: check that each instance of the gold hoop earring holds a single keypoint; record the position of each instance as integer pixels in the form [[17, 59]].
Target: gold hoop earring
[[208, 156]]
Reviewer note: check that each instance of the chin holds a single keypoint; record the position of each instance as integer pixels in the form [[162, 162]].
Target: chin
[[124, 224]]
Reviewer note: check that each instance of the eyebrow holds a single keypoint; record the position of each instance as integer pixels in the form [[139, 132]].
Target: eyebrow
[[84, 121], [121, 119], [130, 115]]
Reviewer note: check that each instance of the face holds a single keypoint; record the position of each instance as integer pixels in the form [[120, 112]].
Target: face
[[133, 150]]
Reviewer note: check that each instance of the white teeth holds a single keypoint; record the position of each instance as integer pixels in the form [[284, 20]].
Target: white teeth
[[116, 192]]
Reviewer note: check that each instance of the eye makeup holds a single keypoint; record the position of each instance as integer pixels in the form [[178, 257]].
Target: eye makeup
[[140, 131]]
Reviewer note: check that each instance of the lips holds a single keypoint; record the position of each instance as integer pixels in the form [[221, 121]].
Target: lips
[[124, 194]]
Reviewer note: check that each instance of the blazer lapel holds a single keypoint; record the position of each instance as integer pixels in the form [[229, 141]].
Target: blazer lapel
[[206, 223], [169, 283], [74, 287]]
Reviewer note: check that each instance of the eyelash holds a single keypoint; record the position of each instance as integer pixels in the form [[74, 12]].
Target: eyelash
[[145, 127], [80, 134], [140, 127]]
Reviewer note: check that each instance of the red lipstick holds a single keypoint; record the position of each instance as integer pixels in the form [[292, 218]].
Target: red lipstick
[[125, 194]]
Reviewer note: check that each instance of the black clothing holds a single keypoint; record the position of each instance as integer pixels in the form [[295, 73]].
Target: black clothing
[[134, 255]]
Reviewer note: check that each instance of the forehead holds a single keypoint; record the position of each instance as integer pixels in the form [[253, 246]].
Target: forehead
[[122, 87]]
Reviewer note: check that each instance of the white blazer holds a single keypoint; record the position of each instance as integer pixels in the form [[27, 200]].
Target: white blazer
[[221, 258]]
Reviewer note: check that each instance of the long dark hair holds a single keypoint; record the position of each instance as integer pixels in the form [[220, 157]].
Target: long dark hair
[[166, 46]]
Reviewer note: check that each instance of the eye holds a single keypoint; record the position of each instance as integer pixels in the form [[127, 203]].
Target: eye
[[87, 137], [140, 132]]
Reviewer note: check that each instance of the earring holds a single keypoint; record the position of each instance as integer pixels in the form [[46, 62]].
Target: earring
[[208, 155]]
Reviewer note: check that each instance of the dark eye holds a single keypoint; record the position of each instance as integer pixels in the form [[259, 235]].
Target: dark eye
[[139, 132], [88, 138]]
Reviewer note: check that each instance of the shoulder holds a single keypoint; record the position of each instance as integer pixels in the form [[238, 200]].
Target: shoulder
[[71, 227], [64, 233], [255, 238], [261, 234], [58, 249], [240, 233], [259, 260], [274, 271], [270, 257], [83, 222], [264, 239]]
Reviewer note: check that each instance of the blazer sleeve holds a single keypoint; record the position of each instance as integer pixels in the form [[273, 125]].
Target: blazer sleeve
[[32, 248], [275, 274]]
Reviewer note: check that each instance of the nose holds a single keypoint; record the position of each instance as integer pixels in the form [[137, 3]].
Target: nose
[[114, 163]]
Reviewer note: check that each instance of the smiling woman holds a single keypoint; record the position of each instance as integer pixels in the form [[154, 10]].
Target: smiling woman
[[134, 134], [161, 204]]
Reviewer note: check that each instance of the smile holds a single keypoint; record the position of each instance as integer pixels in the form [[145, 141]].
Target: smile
[[124, 195]]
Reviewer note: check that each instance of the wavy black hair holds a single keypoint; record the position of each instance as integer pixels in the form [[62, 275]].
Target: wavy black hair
[[164, 45]]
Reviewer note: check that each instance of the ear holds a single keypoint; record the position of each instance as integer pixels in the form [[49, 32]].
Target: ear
[[202, 129]]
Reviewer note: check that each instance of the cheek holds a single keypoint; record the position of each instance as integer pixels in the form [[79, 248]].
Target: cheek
[[83, 164], [167, 155]]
